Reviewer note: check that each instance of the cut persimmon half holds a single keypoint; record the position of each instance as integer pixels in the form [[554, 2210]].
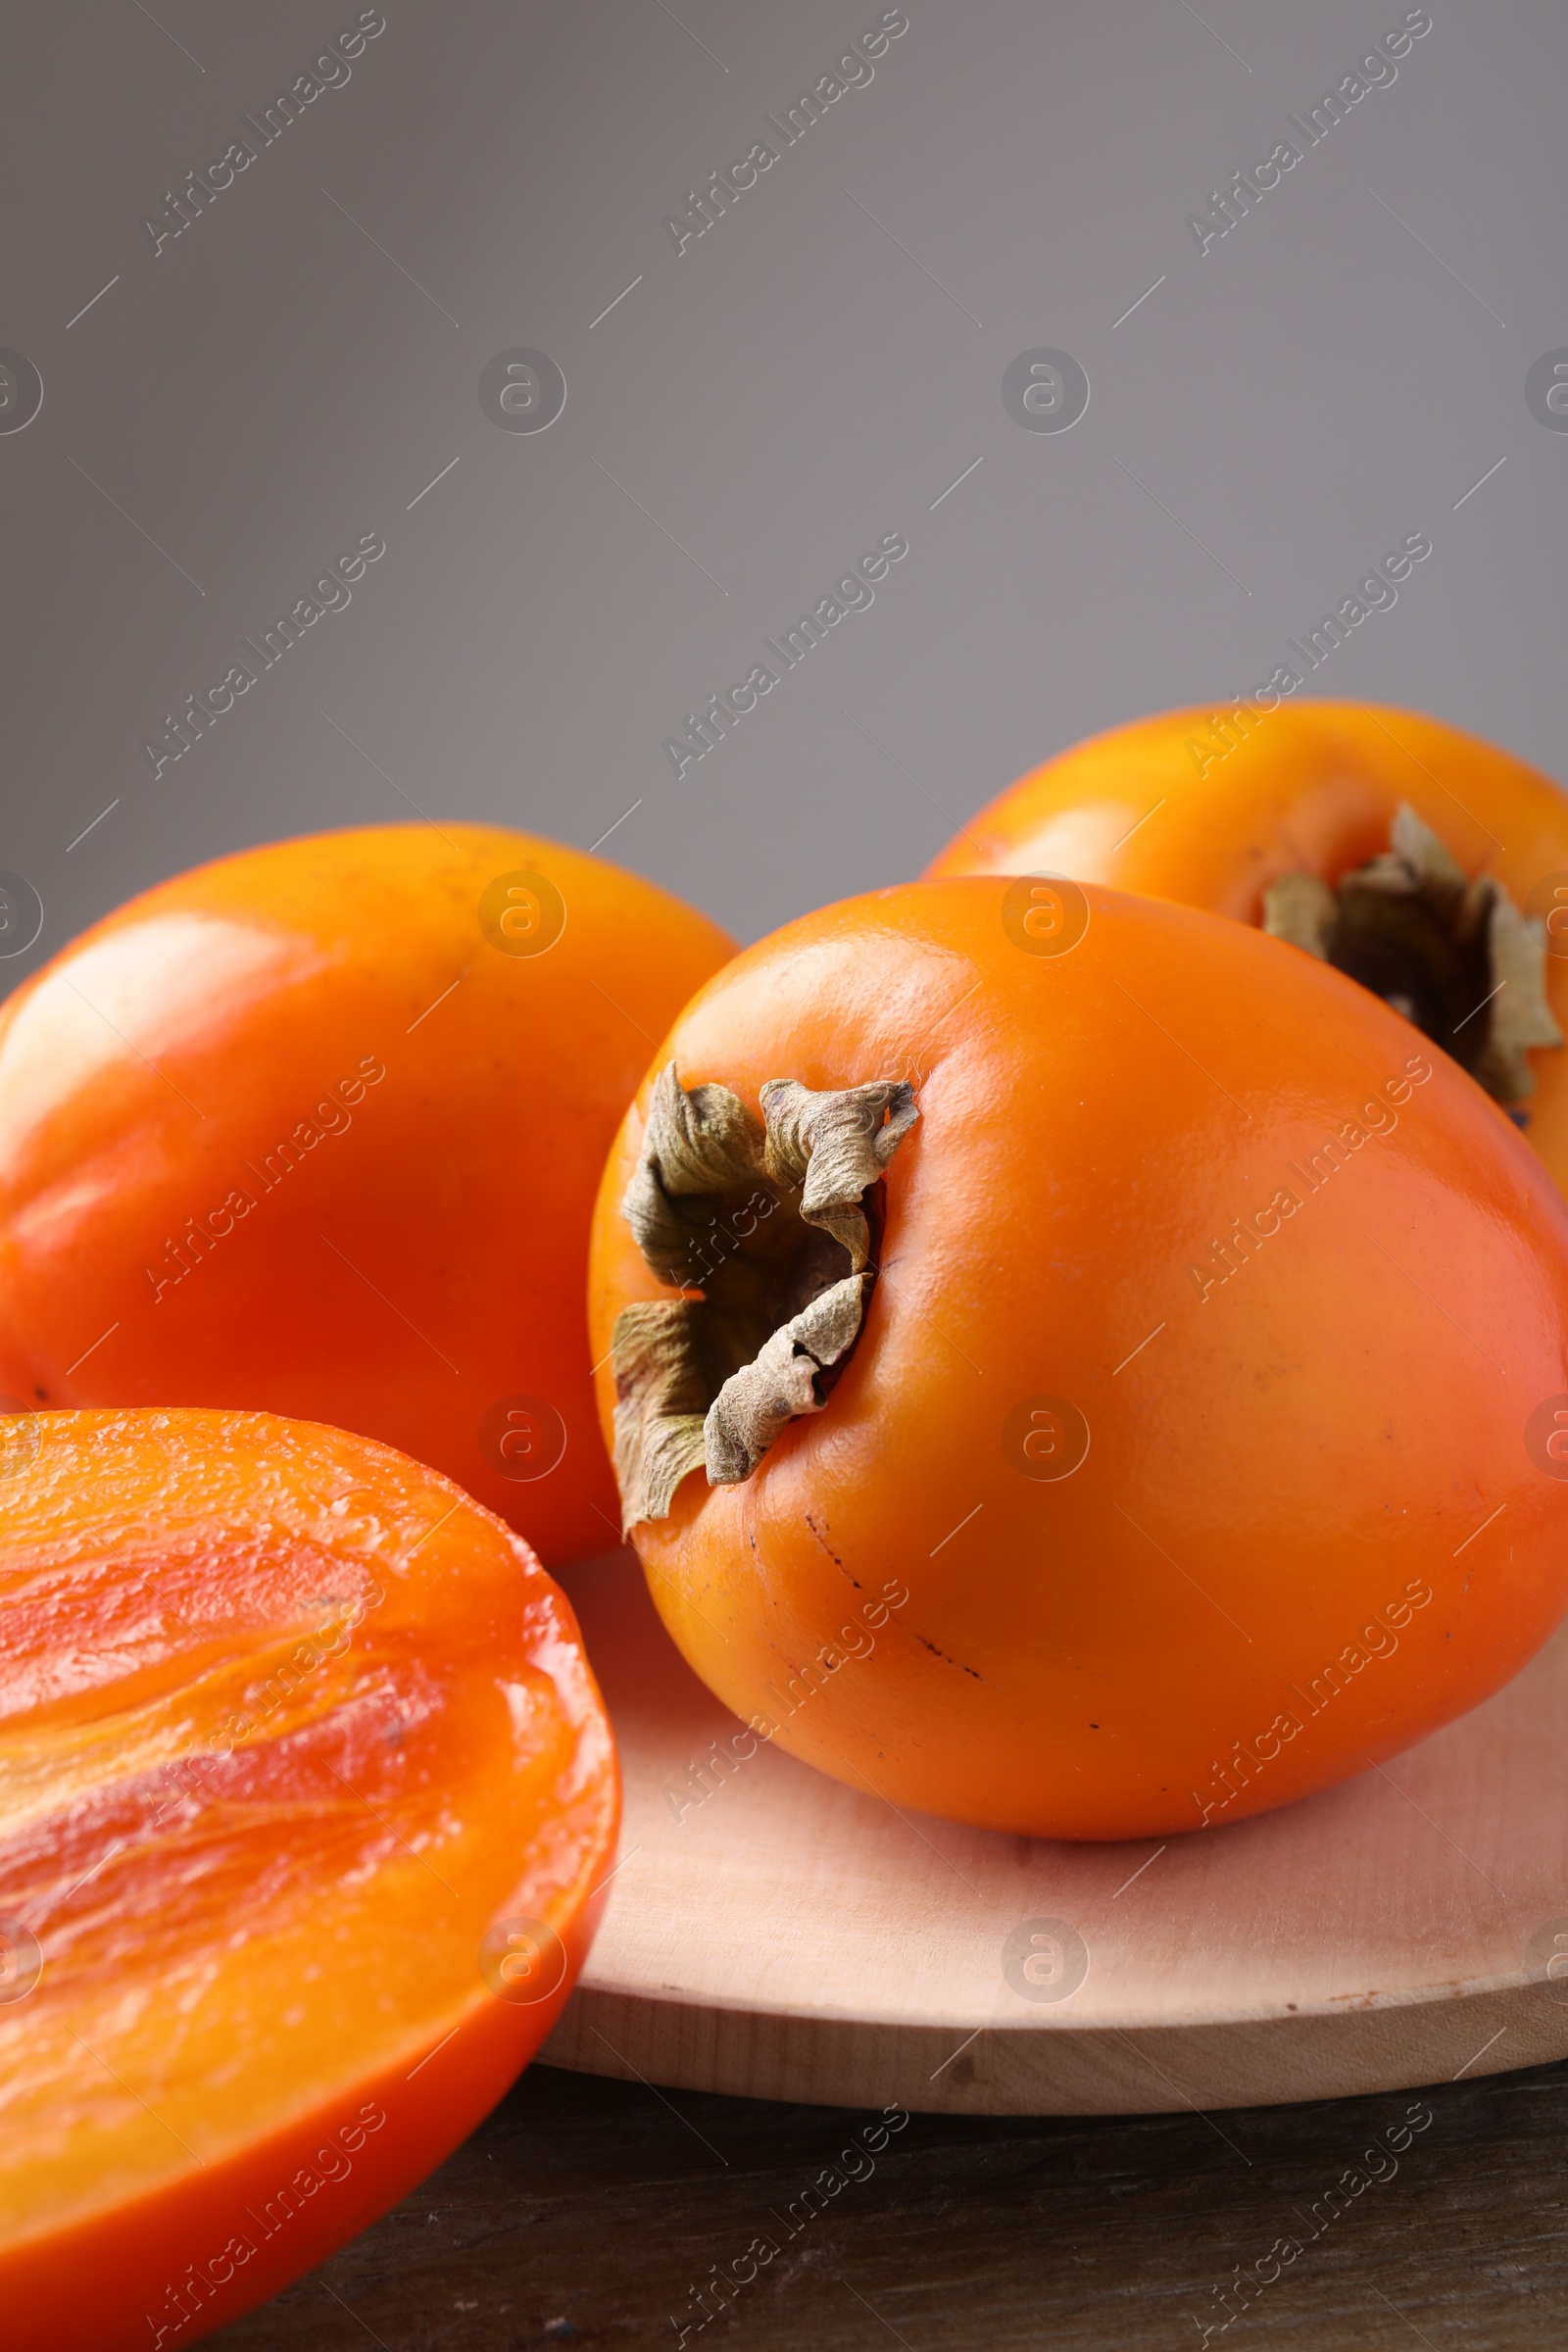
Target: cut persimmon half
[[306, 1794]]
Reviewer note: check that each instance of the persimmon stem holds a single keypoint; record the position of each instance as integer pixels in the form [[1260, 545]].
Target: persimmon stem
[[1454, 956], [766, 1221]]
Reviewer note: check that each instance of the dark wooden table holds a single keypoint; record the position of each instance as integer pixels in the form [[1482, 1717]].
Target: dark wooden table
[[586, 2213]]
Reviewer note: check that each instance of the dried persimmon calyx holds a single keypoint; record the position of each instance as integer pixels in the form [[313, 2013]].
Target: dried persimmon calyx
[[1455, 956], [766, 1222], [780, 1381], [661, 1403]]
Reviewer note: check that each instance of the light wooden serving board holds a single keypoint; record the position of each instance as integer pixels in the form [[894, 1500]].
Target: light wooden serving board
[[789, 1937]]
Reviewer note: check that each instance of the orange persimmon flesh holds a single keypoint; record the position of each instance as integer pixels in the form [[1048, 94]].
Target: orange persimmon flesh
[[289, 1725]]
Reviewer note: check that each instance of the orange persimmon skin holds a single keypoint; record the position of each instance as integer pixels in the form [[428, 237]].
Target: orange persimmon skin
[[1307, 787], [287, 1724], [290, 1132], [1276, 1461]]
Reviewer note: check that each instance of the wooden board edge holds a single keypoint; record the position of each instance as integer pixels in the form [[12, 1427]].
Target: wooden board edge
[[1022, 2070]]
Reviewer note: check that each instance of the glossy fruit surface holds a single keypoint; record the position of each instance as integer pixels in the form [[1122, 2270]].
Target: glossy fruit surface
[[1212, 806], [294, 1736], [1202, 1437], [315, 1130]]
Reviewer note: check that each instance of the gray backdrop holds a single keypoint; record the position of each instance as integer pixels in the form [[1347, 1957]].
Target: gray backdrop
[[809, 373]]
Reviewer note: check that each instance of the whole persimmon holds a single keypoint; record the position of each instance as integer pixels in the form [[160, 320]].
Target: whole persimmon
[[306, 1801], [1427, 864], [315, 1130], [1093, 1378]]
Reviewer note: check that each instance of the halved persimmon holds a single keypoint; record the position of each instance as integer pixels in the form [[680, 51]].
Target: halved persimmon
[[305, 1791], [1423, 862], [315, 1130], [1094, 1376]]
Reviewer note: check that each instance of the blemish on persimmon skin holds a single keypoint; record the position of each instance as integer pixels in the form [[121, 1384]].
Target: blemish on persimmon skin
[[822, 1540], [943, 1655], [827, 1548]]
